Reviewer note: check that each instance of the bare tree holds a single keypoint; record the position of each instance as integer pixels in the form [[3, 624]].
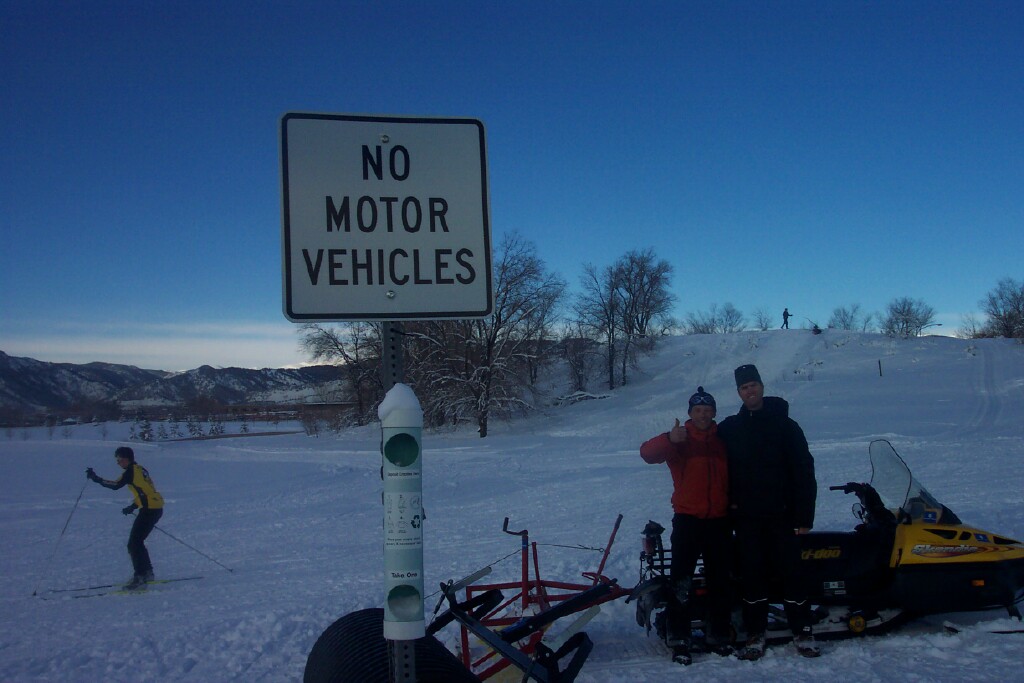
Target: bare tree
[[715, 320], [845, 318], [471, 369], [762, 319], [355, 348], [581, 354], [599, 311], [646, 302], [702, 322], [906, 317], [970, 328], [731, 319], [1004, 307]]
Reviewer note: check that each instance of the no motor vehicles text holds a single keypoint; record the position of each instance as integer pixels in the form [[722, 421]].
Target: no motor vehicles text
[[395, 266], [374, 264]]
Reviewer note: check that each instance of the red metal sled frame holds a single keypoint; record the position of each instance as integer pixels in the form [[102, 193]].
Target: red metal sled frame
[[538, 592]]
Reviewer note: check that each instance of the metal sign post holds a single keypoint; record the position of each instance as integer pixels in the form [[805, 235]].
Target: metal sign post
[[386, 218], [401, 427]]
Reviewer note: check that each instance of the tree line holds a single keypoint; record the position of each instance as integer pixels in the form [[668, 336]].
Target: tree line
[[475, 370]]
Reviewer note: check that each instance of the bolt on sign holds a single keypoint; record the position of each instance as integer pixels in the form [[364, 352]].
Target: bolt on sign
[[384, 218]]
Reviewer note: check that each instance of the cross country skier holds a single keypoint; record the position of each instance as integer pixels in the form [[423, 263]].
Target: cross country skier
[[148, 501]]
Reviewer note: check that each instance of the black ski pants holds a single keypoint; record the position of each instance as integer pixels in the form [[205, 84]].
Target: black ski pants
[[768, 552], [143, 525], [691, 538]]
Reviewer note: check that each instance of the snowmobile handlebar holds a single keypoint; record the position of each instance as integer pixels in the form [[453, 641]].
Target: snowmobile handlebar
[[849, 487], [869, 498]]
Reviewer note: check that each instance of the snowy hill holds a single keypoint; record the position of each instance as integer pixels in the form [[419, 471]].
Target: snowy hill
[[229, 386], [298, 519], [28, 386]]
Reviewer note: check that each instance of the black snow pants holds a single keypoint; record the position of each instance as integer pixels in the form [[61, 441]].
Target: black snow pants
[[145, 520], [691, 538], [768, 553]]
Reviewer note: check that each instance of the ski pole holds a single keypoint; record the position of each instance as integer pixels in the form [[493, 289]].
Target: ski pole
[[191, 548], [53, 554]]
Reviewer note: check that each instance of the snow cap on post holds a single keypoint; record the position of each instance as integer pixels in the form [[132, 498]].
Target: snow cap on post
[[400, 408]]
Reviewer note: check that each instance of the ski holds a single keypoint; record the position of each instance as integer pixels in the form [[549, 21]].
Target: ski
[[953, 629], [122, 589], [109, 588]]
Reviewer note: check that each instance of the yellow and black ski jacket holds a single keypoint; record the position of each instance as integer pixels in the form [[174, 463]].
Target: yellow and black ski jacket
[[136, 477]]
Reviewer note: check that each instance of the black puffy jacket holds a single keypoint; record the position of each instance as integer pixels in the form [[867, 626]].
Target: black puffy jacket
[[771, 471]]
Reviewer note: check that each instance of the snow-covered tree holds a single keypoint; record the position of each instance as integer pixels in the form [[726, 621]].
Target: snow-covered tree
[[145, 431], [216, 426]]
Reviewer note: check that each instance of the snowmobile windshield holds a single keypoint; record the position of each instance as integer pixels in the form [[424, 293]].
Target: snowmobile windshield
[[901, 493]]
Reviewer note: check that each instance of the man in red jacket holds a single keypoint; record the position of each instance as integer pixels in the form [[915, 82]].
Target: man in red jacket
[[696, 458]]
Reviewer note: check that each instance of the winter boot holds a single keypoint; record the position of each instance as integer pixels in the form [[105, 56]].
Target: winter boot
[[681, 653], [721, 646], [753, 649], [805, 645], [148, 576], [138, 582]]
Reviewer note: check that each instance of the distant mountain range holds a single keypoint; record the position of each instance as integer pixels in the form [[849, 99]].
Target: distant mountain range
[[31, 386]]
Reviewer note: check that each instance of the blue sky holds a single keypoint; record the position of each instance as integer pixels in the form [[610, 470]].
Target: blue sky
[[800, 154]]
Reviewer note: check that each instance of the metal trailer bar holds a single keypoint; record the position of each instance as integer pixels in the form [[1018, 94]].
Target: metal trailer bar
[[542, 662], [535, 592]]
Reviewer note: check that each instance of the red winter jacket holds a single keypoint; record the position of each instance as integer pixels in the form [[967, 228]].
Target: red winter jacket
[[700, 475]]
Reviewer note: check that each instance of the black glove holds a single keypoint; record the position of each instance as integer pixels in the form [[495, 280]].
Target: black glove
[[128, 510], [89, 474]]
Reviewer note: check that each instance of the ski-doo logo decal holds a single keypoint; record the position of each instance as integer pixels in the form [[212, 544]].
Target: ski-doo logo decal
[[926, 550], [930, 516], [822, 554]]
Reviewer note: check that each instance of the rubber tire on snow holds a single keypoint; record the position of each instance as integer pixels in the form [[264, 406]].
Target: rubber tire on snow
[[353, 650]]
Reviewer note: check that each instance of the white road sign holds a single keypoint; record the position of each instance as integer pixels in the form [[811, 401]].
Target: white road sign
[[384, 218]]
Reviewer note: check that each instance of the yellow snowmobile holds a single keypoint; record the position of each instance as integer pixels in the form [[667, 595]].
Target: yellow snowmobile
[[910, 555]]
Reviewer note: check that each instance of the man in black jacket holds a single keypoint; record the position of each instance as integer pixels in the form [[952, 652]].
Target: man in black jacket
[[772, 491]]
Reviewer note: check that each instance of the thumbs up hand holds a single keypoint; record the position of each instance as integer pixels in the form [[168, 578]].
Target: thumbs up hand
[[678, 433]]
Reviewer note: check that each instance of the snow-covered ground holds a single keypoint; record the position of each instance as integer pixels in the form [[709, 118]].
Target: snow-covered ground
[[299, 519]]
